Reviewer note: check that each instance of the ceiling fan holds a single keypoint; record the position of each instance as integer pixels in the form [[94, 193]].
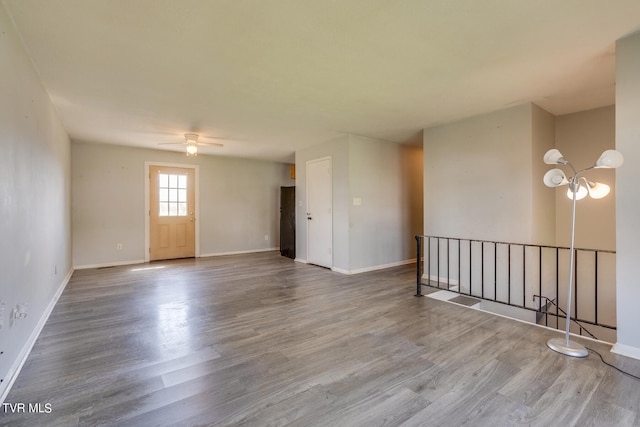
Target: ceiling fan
[[192, 143]]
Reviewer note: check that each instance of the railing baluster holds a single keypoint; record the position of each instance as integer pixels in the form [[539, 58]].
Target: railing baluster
[[482, 264], [595, 296], [509, 273], [557, 285], [540, 274], [459, 262], [470, 270], [543, 300], [419, 267], [438, 265], [524, 274], [575, 288], [448, 265], [495, 271], [429, 261]]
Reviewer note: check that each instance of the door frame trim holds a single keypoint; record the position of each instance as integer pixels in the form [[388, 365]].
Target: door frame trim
[[147, 207], [306, 170]]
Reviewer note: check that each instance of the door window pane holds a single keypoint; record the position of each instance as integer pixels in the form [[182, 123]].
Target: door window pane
[[172, 195]]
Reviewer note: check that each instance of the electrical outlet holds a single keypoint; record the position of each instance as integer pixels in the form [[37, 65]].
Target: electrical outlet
[[119, 246], [20, 311], [266, 237]]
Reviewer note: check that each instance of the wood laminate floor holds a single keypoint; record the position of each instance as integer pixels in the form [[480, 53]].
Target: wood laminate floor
[[259, 340]]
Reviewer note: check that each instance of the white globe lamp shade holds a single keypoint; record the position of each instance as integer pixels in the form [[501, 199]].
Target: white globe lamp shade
[[598, 190], [581, 193], [553, 156], [610, 159], [555, 178]]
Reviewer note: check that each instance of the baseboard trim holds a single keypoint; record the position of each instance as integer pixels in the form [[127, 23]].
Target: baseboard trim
[[626, 350], [439, 279], [250, 251], [141, 261], [109, 264], [374, 268], [15, 369]]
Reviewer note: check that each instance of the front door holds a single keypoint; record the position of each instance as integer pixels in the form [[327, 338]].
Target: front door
[[320, 212], [171, 212]]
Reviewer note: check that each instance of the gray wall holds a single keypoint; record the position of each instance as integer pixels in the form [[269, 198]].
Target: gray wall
[[387, 177], [239, 202], [338, 150], [483, 179], [35, 199], [478, 178], [628, 194]]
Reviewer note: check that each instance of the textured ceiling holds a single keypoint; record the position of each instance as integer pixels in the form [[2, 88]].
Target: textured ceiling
[[281, 75]]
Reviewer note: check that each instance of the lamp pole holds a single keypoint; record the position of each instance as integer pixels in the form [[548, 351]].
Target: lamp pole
[[555, 178], [566, 346]]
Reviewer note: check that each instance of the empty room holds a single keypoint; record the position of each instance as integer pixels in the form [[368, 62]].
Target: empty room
[[319, 213]]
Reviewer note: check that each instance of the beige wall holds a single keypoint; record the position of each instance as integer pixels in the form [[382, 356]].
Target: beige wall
[[543, 135], [581, 138], [239, 202]]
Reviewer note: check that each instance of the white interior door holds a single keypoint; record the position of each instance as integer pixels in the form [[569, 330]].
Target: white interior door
[[319, 212]]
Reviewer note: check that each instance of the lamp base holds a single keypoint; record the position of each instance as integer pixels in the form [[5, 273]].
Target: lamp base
[[572, 349]]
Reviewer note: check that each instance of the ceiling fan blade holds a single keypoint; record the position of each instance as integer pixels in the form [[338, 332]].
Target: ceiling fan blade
[[170, 143], [214, 137], [211, 144]]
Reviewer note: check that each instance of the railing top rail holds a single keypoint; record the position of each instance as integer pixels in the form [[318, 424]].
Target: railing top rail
[[516, 244]]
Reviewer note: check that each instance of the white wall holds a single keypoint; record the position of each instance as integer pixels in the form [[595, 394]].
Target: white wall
[[35, 243], [239, 202], [387, 177], [628, 194]]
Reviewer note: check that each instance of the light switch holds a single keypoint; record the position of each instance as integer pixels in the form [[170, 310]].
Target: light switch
[[357, 201]]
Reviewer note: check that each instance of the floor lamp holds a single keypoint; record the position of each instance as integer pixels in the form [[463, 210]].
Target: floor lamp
[[556, 178]]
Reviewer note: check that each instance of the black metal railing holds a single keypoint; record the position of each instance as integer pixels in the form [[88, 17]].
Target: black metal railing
[[526, 276]]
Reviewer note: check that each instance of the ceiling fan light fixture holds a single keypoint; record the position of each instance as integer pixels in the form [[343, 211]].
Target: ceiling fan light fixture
[[192, 148], [192, 143]]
